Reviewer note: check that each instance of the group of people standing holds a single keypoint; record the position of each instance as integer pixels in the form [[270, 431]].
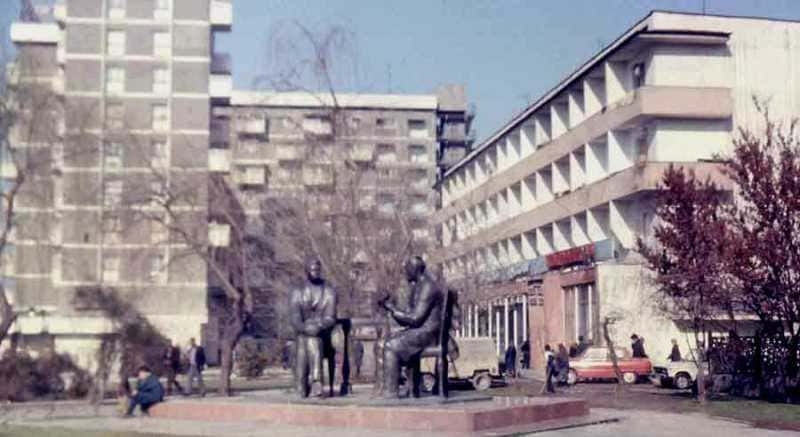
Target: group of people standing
[[510, 360]]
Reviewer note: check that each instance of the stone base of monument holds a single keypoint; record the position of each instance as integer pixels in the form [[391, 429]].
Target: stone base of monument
[[459, 415]]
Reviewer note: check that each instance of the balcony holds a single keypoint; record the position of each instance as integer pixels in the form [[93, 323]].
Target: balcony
[[637, 107], [454, 132], [290, 153], [221, 14], [220, 63], [621, 185], [361, 152], [42, 33], [219, 160], [220, 86], [255, 126], [252, 175]]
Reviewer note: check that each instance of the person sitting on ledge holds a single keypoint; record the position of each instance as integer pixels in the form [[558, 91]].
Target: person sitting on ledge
[[148, 392]]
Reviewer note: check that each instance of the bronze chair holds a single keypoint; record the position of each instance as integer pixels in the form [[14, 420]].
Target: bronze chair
[[438, 351]]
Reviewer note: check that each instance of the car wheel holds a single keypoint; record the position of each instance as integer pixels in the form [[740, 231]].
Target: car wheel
[[683, 381], [572, 377], [428, 382], [629, 378], [482, 382]]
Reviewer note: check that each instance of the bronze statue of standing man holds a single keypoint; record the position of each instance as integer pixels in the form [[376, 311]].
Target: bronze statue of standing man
[[422, 323], [312, 312]]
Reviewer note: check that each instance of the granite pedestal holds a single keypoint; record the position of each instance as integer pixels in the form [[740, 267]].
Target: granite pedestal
[[458, 415]]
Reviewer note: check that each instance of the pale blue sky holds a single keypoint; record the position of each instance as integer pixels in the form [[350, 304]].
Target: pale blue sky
[[507, 53]]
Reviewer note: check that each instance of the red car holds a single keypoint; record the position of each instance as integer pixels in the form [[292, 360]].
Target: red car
[[595, 363]]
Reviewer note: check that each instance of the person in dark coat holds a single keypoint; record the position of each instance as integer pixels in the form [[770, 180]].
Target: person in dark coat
[[358, 356], [148, 392], [549, 370], [525, 348], [172, 365], [637, 347], [675, 355], [511, 360], [562, 364]]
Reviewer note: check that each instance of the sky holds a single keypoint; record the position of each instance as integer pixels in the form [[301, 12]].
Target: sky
[[506, 53]]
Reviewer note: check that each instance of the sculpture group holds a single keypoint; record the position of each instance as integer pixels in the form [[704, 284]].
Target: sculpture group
[[312, 311]]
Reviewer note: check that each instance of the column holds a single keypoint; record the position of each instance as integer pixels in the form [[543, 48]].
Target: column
[[524, 317], [516, 324], [497, 332], [477, 320], [490, 318], [506, 319]]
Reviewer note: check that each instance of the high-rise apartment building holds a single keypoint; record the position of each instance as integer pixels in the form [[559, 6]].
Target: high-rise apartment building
[[544, 215], [143, 102], [136, 81]]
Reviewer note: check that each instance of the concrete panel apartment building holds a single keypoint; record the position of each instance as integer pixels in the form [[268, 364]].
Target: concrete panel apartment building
[[545, 213], [143, 88]]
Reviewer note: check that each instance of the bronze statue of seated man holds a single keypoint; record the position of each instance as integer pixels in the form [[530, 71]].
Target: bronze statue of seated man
[[421, 324], [312, 312]]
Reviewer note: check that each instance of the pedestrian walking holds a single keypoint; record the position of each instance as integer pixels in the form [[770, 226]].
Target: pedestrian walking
[[549, 370], [358, 356], [525, 349], [172, 366], [562, 364], [197, 362], [511, 360]]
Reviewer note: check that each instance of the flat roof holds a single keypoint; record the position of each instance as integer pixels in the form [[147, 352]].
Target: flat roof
[[300, 99], [639, 27]]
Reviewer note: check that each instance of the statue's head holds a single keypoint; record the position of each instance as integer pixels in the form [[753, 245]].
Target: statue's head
[[314, 270], [414, 268]]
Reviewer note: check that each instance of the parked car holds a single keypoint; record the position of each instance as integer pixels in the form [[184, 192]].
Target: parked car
[[476, 362], [679, 374], [595, 363]]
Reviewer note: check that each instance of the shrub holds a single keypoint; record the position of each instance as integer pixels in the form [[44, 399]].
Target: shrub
[[48, 376], [250, 361]]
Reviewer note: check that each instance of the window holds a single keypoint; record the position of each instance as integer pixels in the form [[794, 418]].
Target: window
[[161, 11], [417, 129], [417, 154], [161, 44], [160, 158], [115, 43], [161, 80], [115, 116], [115, 80], [353, 123], [112, 227], [116, 9], [317, 125], [420, 233], [160, 117], [219, 234], [386, 153], [112, 194], [157, 268], [419, 206], [638, 75], [111, 269], [253, 175], [386, 123], [386, 203], [112, 158]]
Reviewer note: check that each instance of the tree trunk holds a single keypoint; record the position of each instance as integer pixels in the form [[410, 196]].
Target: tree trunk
[[700, 379], [230, 337], [611, 352], [7, 316]]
